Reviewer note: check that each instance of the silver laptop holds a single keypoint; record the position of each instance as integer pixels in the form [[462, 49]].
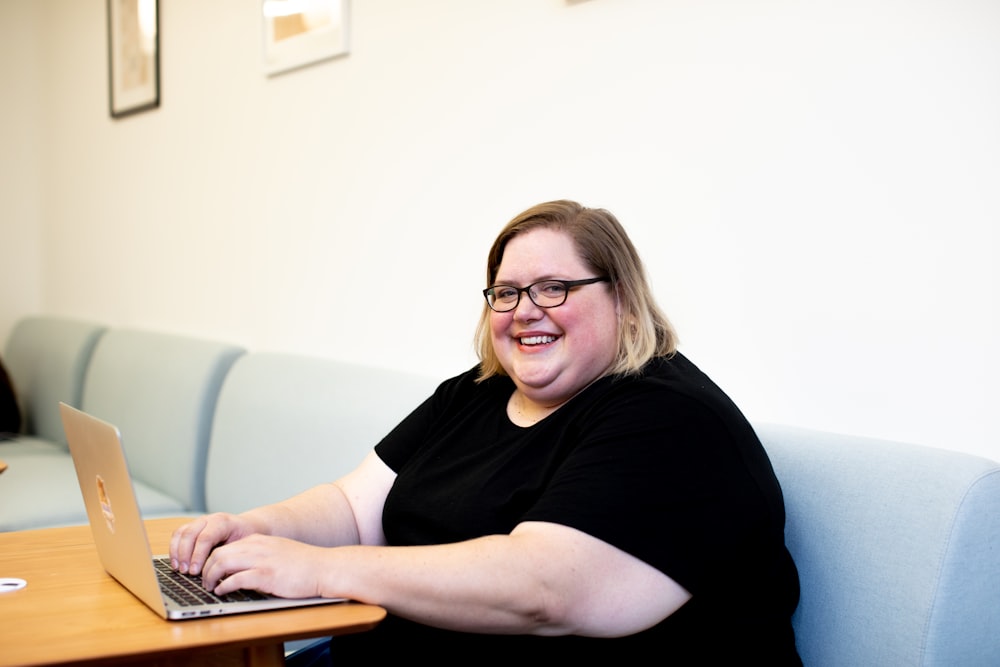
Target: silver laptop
[[120, 534]]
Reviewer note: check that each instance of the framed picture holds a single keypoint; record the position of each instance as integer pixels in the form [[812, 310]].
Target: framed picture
[[133, 55], [301, 32]]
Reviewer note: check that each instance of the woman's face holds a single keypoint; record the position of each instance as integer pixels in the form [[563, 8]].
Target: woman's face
[[553, 353]]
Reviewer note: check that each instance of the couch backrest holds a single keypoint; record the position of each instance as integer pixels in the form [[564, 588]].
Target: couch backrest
[[284, 423], [46, 358], [160, 390], [897, 546]]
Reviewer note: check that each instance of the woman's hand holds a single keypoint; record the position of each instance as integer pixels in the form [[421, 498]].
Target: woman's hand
[[274, 565], [191, 544]]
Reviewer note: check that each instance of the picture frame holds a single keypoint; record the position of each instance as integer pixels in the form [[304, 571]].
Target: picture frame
[[297, 33], [133, 56]]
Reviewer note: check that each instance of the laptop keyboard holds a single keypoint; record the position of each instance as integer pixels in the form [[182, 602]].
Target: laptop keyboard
[[187, 590]]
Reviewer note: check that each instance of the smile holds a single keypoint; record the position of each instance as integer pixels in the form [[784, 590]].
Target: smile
[[537, 340]]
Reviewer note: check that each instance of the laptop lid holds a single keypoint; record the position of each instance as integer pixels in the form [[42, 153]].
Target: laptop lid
[[116, 522]]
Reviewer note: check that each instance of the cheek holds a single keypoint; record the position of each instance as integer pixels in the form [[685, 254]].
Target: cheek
[[600, 333], [499, 323]]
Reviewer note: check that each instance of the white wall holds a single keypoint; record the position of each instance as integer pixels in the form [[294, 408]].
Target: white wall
[[814, 185], [20, 164]]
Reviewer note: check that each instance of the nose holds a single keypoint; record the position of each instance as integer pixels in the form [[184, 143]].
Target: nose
[[526, 310]]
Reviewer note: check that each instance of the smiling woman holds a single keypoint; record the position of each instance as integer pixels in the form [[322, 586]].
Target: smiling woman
[[550, 347], [600, 241], [584, 488]]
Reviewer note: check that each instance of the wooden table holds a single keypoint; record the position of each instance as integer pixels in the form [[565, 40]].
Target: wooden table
[[71, 611]]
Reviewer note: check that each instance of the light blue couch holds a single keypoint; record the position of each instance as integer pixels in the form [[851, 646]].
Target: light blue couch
[[897, 545], [159, 389]]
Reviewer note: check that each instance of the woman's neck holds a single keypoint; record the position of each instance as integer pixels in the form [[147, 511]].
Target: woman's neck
[[524, 412]]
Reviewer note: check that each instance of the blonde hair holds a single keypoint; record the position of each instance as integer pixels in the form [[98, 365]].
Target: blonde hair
[[644, 332]]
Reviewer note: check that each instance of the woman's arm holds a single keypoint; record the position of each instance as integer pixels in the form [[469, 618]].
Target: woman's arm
[[543, 578], [348, 511]]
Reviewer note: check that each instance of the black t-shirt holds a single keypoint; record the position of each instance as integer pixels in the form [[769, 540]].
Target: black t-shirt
[[661, 465]]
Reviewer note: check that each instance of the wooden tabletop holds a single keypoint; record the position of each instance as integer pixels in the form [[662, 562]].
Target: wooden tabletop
[[71, 611]]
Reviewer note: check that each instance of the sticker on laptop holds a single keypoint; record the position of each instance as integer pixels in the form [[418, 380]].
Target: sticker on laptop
[[102, 496]]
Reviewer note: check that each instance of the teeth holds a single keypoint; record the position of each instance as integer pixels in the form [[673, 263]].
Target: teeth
[[537, 340]]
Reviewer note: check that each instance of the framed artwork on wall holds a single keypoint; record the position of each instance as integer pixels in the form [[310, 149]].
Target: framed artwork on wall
[[133, 56], [300, 32]]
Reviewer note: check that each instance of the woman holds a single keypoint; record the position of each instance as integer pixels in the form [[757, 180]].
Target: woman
[[584, 482]]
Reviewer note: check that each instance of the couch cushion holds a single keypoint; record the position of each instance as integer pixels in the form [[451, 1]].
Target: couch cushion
[[285, 423], [898, 549], [47, 358], [160, 391], [50, 482], [29, 445]]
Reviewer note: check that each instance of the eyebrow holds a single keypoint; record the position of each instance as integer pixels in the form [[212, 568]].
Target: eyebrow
[[531, 282]]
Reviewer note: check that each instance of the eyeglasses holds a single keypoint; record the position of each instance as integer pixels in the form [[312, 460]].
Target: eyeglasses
[[544, 293]]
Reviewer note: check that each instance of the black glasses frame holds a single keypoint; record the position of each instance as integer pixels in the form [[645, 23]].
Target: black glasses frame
[[568, 284]]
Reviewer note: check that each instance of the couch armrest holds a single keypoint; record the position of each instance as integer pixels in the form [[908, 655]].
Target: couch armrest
[[897, 546]]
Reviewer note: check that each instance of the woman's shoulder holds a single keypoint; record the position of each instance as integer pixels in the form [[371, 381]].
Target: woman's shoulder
[[674, 367], [674, 384], [670, 372]]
